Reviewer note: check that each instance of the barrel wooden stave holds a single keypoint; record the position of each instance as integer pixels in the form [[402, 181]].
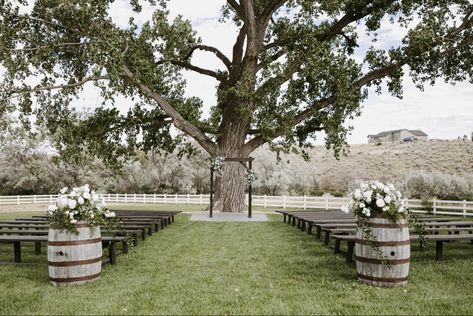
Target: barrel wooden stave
[[74, 259], [369, 268]]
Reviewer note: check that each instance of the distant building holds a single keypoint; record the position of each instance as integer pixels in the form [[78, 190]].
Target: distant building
[[396, 135]]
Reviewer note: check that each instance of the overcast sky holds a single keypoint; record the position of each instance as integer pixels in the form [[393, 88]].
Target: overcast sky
[[442, 111]]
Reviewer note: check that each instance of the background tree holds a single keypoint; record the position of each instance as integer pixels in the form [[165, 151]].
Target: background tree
[[293, 72]]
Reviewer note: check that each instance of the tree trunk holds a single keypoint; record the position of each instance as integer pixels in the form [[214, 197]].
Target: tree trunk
[[230, 189]]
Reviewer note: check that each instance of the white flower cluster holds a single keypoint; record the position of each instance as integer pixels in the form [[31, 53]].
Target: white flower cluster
[[217, 164], [250, 176], [80, 203], [374, 197]]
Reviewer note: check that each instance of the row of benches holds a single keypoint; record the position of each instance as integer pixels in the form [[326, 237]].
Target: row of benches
[[342, 227], [137, 224]]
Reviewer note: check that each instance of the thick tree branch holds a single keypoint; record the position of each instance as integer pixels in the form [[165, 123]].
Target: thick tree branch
[[238, 47], [188, 66], [269, 10], [214, 50], [237, 8], [178, 120]]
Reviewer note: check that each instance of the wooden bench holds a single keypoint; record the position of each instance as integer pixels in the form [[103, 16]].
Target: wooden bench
[[439, 240], [107, 241], [43, 232]]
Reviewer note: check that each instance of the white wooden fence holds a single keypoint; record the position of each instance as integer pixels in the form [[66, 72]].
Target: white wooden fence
[[304, 202]]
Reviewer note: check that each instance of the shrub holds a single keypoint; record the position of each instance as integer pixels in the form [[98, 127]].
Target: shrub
[[428, 185]]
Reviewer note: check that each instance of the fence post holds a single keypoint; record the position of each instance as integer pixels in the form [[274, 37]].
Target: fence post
[[34, 199], [126, 198], [116, 197], [464, 207], [188, 199], [134, 197], [305, 202], [326, 203], [175, 198], [284, 201], [265, 201], [201, 199], [154, 198], [51, 199], [165, 198], [435, 207], [18, 199]]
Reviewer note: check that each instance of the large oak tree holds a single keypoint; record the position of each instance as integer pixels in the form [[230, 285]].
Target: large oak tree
[[294, 70]]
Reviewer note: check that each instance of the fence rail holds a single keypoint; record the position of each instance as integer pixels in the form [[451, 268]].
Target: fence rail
[[443, 207]]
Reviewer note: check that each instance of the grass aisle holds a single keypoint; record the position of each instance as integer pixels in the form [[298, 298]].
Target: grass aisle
[[237, 268]]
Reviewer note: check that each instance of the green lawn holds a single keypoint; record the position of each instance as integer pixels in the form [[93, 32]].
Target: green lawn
[[237, 268]]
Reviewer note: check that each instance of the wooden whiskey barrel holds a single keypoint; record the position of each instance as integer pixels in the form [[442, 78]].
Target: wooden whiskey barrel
[[393, 240], [74, 258]]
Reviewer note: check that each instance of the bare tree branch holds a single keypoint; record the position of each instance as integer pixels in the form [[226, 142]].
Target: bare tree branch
[[183, 64], [214, 50], [237, 7]]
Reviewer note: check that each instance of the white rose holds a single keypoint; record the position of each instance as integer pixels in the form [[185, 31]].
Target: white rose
[[380, 203], [63, 190], [73, 194], [380, 185], [86, 188], [80, 200], [362, 205], [401, 209], [387, 199], [62, 201], [86, 195], [368, 194], [368, 200], [392, 187], [398, 194], [385, 209], [364, 186], [95, 197], [73, 221], [52, 208], [367, 212], [72, 204], [345, 209], [373, 187], [357, 194], [387, 190]]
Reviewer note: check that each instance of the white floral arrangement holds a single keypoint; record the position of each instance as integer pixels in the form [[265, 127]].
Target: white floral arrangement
[[216, 165], [78, 204], [250, 176], [374, 198]]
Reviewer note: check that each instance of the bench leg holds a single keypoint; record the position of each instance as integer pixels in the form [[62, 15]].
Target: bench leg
[[309, 228], [293, 221], [319, 232], [336, 249], [143, 233], [37, 247], [17, 252], [135, 238], [350, 248], [112, 252], [125, 246], [284, 218], [327, 237], [439, 250]]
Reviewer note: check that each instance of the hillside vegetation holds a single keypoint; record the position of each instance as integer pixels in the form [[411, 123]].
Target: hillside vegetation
[[387, 162]]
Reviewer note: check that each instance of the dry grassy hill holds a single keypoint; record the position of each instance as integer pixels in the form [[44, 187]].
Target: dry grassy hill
[[385, 162]]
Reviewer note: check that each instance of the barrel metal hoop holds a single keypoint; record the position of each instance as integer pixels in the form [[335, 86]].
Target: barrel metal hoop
[[384, 243], [78, 279], [74, 242], [379, 261], [390, 280], [74, 263]]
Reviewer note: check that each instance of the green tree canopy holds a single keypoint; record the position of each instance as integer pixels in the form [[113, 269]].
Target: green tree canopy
[[293, 70]]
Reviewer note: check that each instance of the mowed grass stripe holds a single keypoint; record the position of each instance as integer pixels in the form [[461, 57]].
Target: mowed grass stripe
[[237, 268]]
